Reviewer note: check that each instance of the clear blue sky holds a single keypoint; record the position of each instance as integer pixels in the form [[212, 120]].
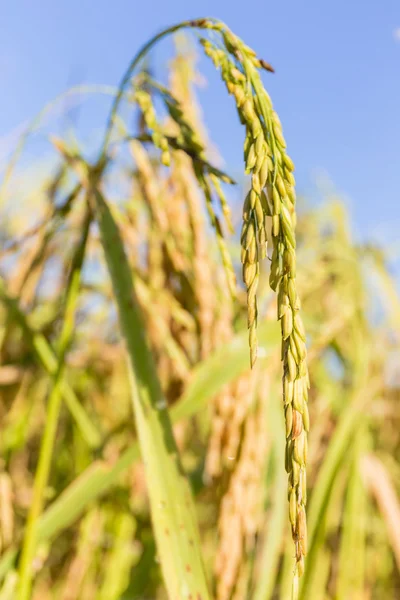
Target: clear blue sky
[[336, 87]]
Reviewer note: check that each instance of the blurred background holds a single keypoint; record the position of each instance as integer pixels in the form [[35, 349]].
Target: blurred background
[[336, 89]]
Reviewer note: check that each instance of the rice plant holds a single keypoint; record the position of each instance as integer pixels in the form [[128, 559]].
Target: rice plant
[[145, 439]]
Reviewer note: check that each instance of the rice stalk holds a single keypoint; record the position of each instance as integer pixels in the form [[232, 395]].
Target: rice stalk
[[53, 409]]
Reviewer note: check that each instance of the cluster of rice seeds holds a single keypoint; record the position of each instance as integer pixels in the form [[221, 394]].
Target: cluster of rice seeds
[[190, 139], [215, 314], [159, 262], [183, 79], [144, 100], [150, 187], [259, 164], [230, 411], [281, 199], [203, 270], [203, 279], [241, 510], [271, 194], [186, 117], [187, 135], [180, 217], [216, 224]]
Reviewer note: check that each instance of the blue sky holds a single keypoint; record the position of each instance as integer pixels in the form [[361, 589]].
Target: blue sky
[[336, 87]]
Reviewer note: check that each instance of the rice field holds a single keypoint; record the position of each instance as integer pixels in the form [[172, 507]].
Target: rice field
[[198, 391]]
